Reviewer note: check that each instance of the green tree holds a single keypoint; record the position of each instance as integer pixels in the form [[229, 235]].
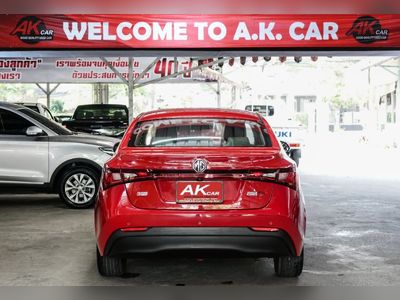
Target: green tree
[[57, 106], [18, 92]]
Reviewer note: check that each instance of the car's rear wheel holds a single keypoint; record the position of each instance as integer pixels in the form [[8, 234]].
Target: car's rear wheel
[[78, 187], [110, 266], [289, 266]]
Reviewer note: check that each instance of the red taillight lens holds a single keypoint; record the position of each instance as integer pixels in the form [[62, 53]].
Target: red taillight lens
[[287, 177], [113, 177], [294, 145], [282, 176]]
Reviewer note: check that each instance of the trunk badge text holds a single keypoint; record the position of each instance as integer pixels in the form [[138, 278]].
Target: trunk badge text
[[199, 165], [142, 194]]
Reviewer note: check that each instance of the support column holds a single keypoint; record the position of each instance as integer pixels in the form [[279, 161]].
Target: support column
[[131, 87], [397, 108], [219, 93], [48, 91], [233, 96], [48, 94], [100, 93], [95, 93]]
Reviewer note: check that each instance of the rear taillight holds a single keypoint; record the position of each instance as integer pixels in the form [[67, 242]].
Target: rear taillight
[[113, 177], [292, 145], [281, 176]]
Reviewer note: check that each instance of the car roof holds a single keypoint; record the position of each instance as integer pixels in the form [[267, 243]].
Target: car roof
[[200, 113], [28, 103], [102, 105], [10, 105]]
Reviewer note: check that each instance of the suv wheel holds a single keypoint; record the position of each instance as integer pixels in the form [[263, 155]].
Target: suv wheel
[[78, 187], [110, 266], [289, 266]]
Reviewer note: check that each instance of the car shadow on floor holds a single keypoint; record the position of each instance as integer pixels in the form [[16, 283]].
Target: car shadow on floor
[[175, 271], [14, 199]]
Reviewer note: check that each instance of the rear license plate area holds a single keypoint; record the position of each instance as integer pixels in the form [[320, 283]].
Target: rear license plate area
[[199, 192]]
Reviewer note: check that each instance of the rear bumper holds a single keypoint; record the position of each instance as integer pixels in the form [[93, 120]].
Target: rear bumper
[[114, 214], [200, 241]]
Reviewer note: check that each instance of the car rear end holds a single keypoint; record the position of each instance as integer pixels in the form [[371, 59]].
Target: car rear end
[[200, 182]]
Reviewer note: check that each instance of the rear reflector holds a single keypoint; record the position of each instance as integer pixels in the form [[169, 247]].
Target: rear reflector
[[134, 229], [265, 229]]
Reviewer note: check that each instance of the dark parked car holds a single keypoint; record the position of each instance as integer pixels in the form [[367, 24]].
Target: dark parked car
[[99, 119], [62, 118]]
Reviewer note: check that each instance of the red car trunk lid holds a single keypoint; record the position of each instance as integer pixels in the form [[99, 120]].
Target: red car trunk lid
[[173, 184]]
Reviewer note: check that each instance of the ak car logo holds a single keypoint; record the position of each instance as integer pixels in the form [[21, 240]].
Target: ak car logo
[[367, 30], [200, 165], [32, 30]]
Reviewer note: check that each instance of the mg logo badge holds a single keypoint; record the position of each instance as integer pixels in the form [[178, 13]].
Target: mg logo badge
[[199, 165]]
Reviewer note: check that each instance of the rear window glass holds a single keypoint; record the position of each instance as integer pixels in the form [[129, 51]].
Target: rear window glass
[[101, 113], [200, 133]]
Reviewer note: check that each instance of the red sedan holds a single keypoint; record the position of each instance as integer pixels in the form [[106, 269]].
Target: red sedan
[[200, 182]]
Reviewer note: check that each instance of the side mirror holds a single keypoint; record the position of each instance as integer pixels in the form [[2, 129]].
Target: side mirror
[[34, 131], [271, 111], [286, 147], [115, 148]]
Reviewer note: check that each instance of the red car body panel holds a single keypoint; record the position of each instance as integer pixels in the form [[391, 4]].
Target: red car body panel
[[275, 206]]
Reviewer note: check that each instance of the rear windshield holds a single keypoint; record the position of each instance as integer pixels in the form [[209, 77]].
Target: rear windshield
[[200, 133], [101, 113]]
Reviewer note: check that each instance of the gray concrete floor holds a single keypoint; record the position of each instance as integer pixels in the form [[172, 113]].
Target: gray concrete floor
[[353, 239]]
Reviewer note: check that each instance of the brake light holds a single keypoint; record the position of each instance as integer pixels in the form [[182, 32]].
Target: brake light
[[294, 145], [281, 176], [112, 177]]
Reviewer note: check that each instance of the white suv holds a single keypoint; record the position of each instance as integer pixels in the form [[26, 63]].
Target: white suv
[[35, 151]]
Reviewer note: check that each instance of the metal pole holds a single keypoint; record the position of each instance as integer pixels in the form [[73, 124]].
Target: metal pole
[[48, 91], [397, 97], [234, 93], [148, 68], [48, 94], [182, 72], [130, 88], [219, 93], [106, 93]]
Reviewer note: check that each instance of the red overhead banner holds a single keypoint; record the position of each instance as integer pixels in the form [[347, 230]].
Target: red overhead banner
[[199, 31]]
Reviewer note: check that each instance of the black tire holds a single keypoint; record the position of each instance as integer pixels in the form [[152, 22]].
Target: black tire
[[110, 266], [93, 175], [296, 155], [289, 266]]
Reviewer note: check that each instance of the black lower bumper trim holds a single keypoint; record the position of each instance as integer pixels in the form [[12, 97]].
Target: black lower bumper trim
[[200, 241]]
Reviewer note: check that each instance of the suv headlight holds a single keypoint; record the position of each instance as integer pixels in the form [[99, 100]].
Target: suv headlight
[[107, 150]]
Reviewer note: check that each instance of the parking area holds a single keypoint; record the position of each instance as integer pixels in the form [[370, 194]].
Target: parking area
[[215, 128], [353, 238]]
